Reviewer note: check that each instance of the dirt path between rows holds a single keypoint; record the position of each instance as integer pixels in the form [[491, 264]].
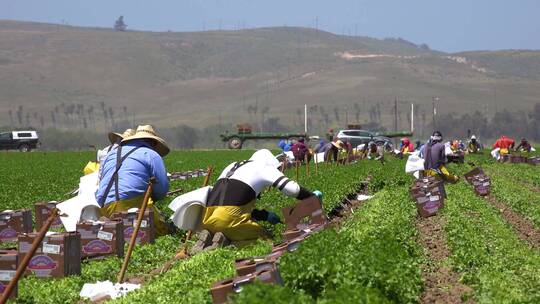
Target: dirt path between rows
[[442, 284], [523, 227]]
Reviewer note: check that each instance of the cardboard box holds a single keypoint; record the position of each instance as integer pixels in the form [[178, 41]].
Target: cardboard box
[[43, 210], [221, 289], [147, 232], [251, 265], [99, 239], [429, 204], [8, 267], [303, 214], [59, 254], [14, 222]]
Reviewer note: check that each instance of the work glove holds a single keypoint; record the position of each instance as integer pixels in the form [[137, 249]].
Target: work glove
[[318, 194], [273, 218], [263, 215]]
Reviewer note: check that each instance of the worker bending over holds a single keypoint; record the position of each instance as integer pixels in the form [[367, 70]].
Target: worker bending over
[[126, 172], [301, 151], [524, 145], [473, 146], [407, 146], [505, 144], [331, 150], [230, 210], [435, 159]]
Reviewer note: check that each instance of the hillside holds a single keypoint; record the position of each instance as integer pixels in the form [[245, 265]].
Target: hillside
[[69, 74]]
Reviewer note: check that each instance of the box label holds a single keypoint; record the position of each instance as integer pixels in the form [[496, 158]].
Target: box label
[[433, 198], [97, 246], [42, 262], [129, 231], [50, 248], [144, 223], [103, 235], [6, 275], [8, 233]]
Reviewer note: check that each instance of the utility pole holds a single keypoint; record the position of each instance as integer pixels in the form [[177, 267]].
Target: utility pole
[[317, 23], [395, 114], [434, 99], [395, 121]]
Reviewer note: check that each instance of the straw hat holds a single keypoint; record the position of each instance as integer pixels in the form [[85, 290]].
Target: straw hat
[[147, 132], [338, 144], [115, 137]]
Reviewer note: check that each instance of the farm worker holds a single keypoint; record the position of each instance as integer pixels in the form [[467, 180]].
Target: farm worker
[[126, 171], [524, 145], [230, 213], [407, 146], [332, 149], [300, 150], [435, 159], [283, 145], [374, 149], [319, 146], [504, 144], [473, 146]]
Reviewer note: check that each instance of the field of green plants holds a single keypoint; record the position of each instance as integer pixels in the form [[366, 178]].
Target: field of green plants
[[375, 254]]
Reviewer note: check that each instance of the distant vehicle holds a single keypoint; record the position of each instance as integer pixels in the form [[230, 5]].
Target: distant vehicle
[[358, 137], [23, 141]]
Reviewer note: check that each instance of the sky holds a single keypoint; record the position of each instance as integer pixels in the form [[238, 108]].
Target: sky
[[452, 25]]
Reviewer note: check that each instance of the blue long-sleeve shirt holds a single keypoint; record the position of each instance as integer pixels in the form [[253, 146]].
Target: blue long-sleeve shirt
[[134, 173]]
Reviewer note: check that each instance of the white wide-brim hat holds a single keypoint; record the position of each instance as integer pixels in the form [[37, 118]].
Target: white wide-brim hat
[[147, 132]]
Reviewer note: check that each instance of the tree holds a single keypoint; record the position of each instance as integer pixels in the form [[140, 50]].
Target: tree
[[120, 25]]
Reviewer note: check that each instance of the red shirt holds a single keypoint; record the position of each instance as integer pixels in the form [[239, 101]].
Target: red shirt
[[504, 143]]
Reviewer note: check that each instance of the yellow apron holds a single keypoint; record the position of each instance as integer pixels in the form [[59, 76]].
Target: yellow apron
[[125, 205], [234, 222], [447, 176], [503, 151]]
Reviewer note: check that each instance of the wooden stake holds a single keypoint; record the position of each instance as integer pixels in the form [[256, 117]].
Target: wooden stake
[[316, 163], [35, 245], [297, 168], [306, 161], [133, 240]]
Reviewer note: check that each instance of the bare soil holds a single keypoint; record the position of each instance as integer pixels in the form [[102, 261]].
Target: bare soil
[[523, 227], [442, 284]]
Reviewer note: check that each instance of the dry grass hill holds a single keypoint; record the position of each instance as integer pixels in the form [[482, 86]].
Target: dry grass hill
[[203, 78]]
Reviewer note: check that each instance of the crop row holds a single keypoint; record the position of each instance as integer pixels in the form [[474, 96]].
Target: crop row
[[372, 258], [493, 260], [507, 189]]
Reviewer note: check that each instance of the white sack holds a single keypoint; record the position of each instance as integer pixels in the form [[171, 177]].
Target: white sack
[[188, 208], [86, 197], [101, 289], [320, 157], [290, 155], [414, 163], [496, 153]]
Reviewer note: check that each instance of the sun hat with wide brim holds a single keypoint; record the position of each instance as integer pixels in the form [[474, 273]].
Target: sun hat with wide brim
[[115, 137], [338, 144], [147, 132]]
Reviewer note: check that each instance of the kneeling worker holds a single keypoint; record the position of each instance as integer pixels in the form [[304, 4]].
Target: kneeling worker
[[435, 159], [230, 211], [126, 171]]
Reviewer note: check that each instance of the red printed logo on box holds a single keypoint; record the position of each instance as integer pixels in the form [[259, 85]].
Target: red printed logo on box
[[129, 231], [8, 233], [97, 246], [42, 262]]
